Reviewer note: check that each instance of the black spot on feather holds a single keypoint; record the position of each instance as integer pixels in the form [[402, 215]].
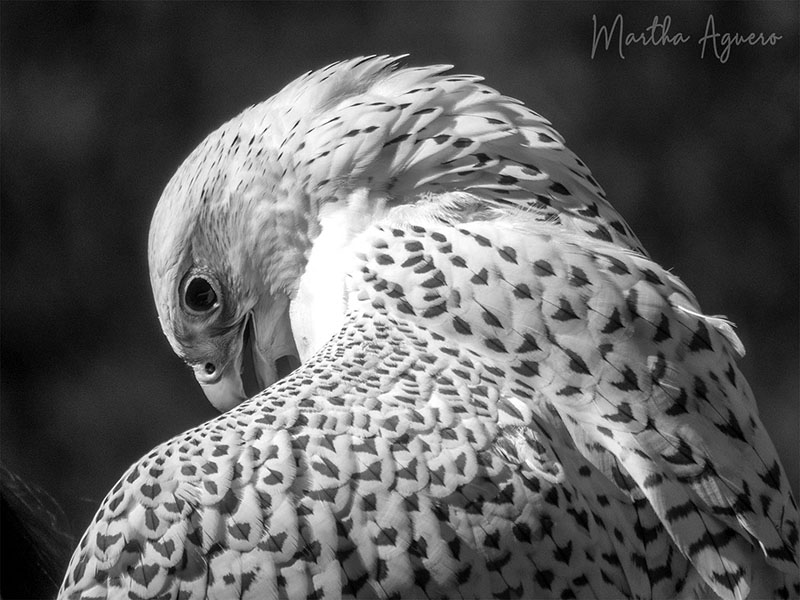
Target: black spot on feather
[[400, 138], [508, 254], [732, 427], [614, 322], [496, 345], [700, 339], [461, 326], [529, 344], [662, 330], [578, 277], [629, 382], [481, 278], [559, 188], [576, 363], [678, 404], [616, 266], [651, 277], [521, 290], [459, 261], [683, 454], [490, 319], [543, 268], [507, 180], [565, 311]]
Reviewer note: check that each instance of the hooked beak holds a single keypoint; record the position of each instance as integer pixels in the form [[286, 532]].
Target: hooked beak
[[225, 388], [263, 353]]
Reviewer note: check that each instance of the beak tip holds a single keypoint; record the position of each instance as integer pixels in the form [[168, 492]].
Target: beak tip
[[225, 394]]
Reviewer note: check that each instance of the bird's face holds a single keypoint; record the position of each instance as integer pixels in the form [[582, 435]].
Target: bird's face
[[221, 291], [237, 342]]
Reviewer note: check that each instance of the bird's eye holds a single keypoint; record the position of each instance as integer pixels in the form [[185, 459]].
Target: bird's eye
[[200, 295]]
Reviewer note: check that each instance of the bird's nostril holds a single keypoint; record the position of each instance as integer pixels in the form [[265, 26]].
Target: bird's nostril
[[210, 368]]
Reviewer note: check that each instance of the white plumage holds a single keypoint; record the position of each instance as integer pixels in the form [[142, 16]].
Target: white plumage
[[500, 394]]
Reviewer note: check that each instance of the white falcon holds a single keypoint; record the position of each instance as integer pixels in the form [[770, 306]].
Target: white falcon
[[499, 394]]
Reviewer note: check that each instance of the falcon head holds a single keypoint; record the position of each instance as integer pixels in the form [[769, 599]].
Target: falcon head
[[225, 251], [231, 234]]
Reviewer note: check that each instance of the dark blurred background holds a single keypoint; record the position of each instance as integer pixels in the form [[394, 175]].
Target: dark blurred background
[[101, 102]]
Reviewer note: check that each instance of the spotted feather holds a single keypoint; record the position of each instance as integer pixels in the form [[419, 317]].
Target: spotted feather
[[500, 395]]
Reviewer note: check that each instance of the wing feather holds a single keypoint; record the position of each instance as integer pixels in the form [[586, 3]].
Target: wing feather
[[619, 349]]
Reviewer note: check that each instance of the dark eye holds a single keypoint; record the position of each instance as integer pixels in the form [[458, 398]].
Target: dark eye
[[199, 295]]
